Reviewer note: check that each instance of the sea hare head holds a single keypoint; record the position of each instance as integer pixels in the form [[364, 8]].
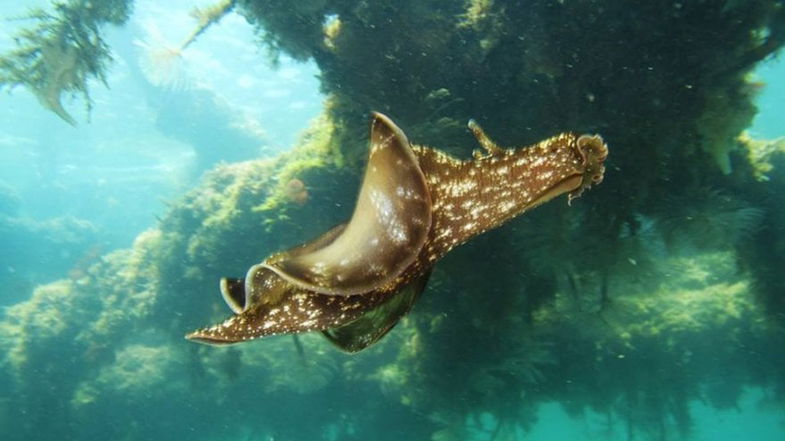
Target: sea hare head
[[592, 151]]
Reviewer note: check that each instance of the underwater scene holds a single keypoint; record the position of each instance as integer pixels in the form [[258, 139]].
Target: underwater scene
[[436, 220]]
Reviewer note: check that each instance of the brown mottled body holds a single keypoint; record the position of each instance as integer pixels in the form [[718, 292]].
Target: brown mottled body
[[471, 197], [415, 205]]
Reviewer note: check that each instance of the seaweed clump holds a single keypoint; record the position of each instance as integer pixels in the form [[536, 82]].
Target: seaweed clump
[[62, 51]]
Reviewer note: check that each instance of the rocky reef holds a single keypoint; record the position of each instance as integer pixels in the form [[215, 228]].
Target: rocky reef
[[656, 290]]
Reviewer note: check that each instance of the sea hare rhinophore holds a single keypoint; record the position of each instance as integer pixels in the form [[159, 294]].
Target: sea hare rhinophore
[[416, 204]]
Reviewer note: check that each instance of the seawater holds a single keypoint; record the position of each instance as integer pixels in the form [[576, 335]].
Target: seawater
[[73, 197]]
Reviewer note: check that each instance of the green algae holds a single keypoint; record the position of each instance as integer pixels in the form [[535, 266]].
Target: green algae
[[107, 315], [136, 371], [760, 153]]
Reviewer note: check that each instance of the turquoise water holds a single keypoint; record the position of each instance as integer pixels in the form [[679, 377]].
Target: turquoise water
[[137, 140], [711, 424], [768, 121], [168, 184]]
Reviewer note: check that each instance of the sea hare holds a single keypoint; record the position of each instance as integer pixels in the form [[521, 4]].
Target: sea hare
[[357, 280]]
